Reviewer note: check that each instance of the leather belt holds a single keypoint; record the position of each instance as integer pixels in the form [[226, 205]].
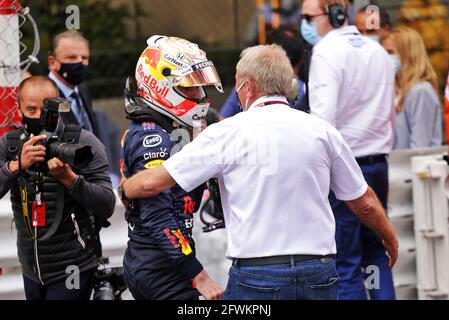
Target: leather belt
[[371, 159], [246, 262]]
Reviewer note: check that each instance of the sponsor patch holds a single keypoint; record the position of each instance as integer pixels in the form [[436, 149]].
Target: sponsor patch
[[197, 117], [162, 153], [152, 57], [186, 249], [356, 42], [202, 65], [152, 141], [152, 82], [170, 237], [189, 205], [153, 164], [173, 61]]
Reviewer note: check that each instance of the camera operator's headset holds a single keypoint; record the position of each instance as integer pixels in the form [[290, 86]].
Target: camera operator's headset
[[337, 15]]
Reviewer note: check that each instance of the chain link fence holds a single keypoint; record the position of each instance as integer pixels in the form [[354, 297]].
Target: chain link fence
[[15, 57]]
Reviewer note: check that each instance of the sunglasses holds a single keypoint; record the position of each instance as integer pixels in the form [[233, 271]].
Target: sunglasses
[[309, 18]]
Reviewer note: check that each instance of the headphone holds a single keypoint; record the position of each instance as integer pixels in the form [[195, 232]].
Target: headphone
[[337, 15]]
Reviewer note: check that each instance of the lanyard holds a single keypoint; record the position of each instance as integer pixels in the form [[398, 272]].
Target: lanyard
[[263, 104]]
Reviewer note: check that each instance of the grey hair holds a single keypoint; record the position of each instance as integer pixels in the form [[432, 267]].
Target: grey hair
[[69, 34], [269, 66]]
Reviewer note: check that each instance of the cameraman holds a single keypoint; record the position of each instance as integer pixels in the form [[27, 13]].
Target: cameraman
[[73, 202]]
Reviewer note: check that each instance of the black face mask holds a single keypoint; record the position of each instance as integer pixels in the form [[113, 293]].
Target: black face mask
[[73, 73], [33, 125]]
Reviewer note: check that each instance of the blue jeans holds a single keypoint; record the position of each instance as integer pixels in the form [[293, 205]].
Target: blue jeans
[[309, 280], [358, 247]]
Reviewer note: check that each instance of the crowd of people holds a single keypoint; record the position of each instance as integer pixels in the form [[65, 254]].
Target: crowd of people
[[300, 156]]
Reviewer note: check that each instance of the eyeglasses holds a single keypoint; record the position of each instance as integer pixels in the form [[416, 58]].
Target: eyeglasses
[[309, 17]]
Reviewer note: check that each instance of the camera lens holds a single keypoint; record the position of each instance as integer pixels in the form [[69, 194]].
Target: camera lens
[[76, 155], [104, 291]]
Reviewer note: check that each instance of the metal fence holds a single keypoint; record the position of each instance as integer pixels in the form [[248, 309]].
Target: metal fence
[[15, 57]]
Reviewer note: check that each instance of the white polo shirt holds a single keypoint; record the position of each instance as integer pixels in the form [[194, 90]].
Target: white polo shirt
[[275, 167], [352, 87]]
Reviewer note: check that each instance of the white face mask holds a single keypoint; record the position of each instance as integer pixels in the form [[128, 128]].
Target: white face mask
[[238, 99]]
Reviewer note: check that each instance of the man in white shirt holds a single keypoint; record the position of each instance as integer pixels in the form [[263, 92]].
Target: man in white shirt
[[352, 87], [275, 167]]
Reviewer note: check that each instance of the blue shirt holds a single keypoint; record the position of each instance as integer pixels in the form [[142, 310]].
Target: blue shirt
[[231, 107], [67, 92], [418, 125]]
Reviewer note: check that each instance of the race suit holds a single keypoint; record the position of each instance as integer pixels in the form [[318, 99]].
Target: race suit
[[160, 260]]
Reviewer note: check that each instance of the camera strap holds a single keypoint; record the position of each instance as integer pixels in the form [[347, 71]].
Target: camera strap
[[38, 208], [71, 133], [24, 201], [14, 143], [58, 215]]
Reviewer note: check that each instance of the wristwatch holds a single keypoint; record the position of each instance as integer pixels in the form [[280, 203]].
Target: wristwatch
[[121, 193]]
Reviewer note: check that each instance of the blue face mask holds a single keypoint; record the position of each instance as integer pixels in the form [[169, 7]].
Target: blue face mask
[[396, 62], [309, 32]]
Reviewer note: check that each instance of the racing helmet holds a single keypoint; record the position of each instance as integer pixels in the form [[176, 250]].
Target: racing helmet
[[167, 64]]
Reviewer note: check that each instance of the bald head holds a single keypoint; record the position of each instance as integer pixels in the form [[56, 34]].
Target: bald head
[[32, 93]]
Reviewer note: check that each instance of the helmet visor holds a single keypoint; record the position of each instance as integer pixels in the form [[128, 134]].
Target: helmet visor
[[203, 75]]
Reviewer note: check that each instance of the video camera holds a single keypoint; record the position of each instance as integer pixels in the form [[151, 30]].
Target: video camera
[[213, 208], [76, 155], [109, 284]]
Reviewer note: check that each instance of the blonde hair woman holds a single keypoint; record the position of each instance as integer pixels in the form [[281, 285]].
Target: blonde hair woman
[[418, 119]]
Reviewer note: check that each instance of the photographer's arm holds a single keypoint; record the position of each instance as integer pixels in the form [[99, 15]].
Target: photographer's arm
[[92, 187], [6, 175], [9, 170]]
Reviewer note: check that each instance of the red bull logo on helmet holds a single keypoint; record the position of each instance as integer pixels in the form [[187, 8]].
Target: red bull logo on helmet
[[152, 57], [152, 83]]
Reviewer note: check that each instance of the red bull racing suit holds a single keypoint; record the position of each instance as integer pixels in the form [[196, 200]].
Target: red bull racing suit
[[160, 260]]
